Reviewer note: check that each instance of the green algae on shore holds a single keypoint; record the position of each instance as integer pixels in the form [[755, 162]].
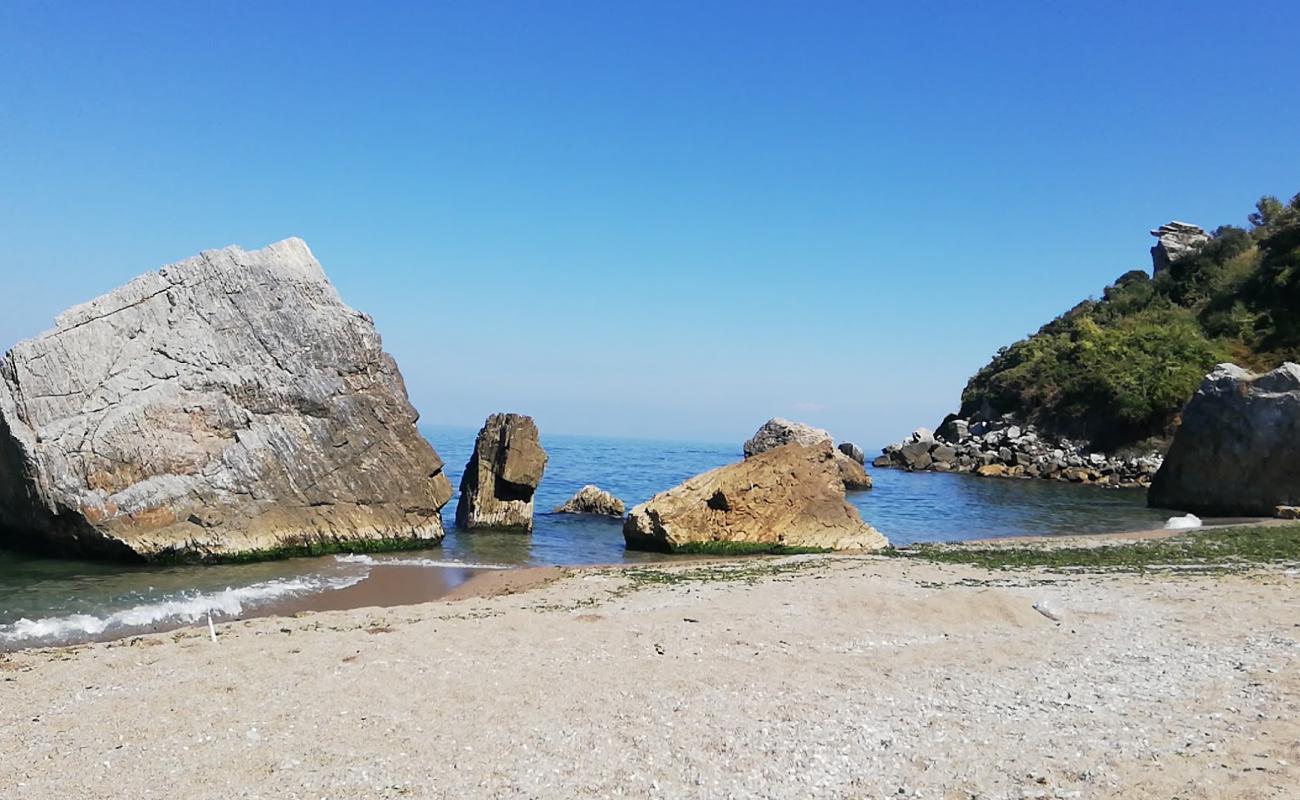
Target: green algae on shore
[[1225, 548]]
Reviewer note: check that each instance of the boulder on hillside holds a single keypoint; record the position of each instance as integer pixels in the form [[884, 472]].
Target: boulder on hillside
[[778, 432], [1236, 451], [592, 500], [789, 496], [502, 475], [1176, 240], [229, 404]]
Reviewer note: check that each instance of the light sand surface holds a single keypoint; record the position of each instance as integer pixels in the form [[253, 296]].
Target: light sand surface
[[808, 676]]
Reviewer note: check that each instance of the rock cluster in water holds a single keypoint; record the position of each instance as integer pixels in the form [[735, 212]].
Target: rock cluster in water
[[1176, 240], [787, 496], [227, 404], [1004, 448], [592, 500], [778, 432], [1235, 452], [502, 475]]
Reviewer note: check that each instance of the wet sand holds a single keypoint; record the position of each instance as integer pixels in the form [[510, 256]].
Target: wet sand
[[386, 585], [392, 586]]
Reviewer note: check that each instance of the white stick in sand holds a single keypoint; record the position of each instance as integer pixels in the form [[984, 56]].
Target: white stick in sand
[[212, 629]]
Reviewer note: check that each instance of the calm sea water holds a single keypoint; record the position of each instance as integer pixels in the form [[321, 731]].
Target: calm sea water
[[50, 601]]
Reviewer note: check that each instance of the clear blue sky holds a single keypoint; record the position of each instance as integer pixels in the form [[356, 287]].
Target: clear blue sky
[[648, 219]]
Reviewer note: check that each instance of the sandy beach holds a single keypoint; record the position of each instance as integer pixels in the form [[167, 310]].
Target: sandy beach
[[805, 676]]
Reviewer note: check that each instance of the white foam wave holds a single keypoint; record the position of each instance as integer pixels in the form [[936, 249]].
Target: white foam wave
[[1184, 523], [182, 608], [414, 562]]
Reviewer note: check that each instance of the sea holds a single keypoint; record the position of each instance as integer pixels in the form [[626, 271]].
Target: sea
[[47, 601]]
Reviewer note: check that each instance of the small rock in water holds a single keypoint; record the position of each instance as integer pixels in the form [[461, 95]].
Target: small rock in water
[[1183, 523], [592, 500]]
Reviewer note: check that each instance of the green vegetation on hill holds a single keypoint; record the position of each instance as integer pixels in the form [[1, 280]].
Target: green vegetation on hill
[[1117, 371]]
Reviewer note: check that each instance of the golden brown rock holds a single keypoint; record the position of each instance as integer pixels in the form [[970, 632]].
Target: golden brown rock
[[777, 432], [502, 475], [791, 496]]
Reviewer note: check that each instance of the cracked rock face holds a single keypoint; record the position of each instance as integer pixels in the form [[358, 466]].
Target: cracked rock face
[[227, 404], [1235, 452], [789, 496], [502, 475], [1176, 240]]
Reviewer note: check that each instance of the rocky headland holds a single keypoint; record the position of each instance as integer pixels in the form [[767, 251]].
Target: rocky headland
[[1106, 382], [502, 475], [1097, 395], [228, 405]]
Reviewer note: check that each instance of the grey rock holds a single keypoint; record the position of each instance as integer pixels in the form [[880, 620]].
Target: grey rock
[[224, 405], [778, 432], [944, 454], [592, 500], [916, 455], [922, 435], [882, 461], [502, 475], [1235, 452], [1176, 240], [954, 429], [853, 451], [1006, 442]]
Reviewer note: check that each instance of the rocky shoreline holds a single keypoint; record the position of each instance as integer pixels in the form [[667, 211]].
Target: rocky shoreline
[[1003, 447]]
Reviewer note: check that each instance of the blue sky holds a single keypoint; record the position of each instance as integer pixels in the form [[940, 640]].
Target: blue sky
[[660, 219]]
